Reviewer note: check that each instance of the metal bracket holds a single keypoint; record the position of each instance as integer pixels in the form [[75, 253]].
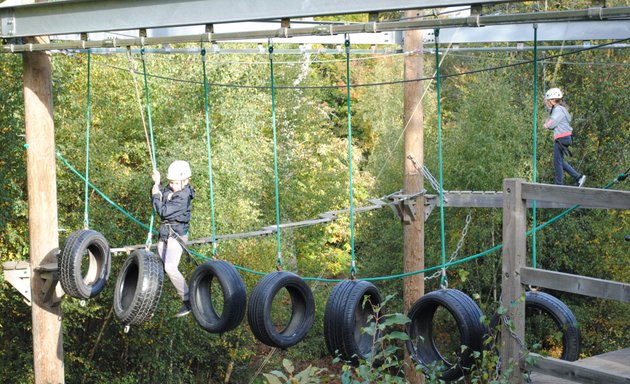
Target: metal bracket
[[7, 24], [51, 290], [404, 206], [429, 204], [18, 274]]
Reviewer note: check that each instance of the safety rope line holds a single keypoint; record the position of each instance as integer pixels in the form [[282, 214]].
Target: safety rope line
[[535, 139], [153, 161], [86, 221], [353, 268], [132, 70], [621, 177], [209, 148], [446, 76], [275, 157], [443, 280]]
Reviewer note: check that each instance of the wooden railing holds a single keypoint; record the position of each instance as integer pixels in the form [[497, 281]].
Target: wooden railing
[[515, 274]]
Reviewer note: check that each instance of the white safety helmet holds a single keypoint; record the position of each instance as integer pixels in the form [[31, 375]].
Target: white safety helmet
[[179, 170], [553, 93]]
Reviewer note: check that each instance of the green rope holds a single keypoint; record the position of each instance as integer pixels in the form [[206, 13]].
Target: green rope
[[103, 195], [275, 156], [621, 177], [209, 147], [86, 221], [153, 162], [443, 281], [535, 139], [353, 269]]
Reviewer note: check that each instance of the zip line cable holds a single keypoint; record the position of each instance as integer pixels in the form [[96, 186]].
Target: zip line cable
[[621, 177], [275, 157], [209, 149], [152, 153], [358, 85], [353, 268], [443, 280], [86, 221]]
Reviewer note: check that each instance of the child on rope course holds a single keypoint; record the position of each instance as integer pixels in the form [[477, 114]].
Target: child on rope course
[[172, 204], [559, 119]]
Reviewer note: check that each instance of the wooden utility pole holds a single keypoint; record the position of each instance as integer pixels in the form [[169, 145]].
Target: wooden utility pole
[[413, 180], [42, 211]]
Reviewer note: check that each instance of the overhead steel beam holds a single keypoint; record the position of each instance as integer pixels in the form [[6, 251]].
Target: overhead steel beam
[[592, 14], [555, 31], [561, 31], [80, 16]]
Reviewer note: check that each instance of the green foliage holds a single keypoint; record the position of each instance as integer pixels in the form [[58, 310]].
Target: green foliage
[[308, 376]]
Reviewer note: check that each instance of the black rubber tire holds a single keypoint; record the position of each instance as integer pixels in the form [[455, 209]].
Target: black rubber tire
[[561, 315], [78, 245], [138, 287], [260, 306], [233, 291], [467, 315], [346, 315]]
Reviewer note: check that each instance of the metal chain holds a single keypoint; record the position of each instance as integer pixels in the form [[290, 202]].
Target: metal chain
[[425, 172], [460, 243], [521, 343]]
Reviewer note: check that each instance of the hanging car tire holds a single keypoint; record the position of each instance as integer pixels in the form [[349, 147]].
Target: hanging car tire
[[233, 291], [561, 315], [84, 283], [467, 315], [138, 287], [349, 309], [259, 309]]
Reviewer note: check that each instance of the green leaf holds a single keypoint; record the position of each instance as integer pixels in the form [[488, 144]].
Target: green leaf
[[395, 319], [279, 374], [288, 365], [271, 379], [397, 335]]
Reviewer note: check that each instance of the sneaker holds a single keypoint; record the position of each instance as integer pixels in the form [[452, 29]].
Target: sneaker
[[185, 309], [581, 180]]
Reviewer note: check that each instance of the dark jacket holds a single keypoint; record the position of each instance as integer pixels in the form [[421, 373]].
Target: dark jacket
[[174, 210]]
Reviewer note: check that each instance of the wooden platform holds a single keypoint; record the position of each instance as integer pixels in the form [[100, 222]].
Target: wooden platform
[[616, 362]]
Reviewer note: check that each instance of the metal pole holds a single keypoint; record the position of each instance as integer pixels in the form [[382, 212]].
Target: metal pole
[[42, 211]]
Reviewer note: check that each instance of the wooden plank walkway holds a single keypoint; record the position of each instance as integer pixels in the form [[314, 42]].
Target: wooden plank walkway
[[616, 362]]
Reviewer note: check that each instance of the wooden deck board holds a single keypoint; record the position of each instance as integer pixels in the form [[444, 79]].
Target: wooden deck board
[[617, 362]]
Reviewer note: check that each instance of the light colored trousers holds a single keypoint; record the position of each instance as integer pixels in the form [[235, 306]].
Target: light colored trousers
[[171, 257]]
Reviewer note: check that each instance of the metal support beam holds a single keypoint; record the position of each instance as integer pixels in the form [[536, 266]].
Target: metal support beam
[[75, 16], [331, 30]]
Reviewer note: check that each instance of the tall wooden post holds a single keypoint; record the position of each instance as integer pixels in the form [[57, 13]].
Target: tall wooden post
[[413, 180], [512, 292], [42, 211]]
